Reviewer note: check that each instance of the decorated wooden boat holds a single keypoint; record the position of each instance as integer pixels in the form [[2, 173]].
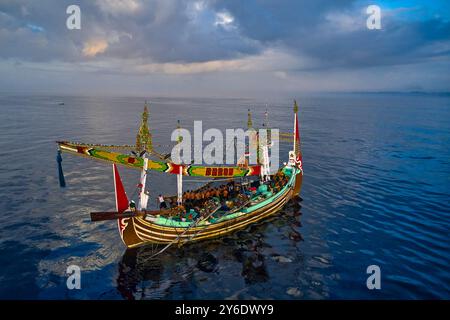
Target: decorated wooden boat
[[150, 228], [253, 200]]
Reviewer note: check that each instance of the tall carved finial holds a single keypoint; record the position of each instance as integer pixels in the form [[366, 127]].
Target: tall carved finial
[[145, 113], [144, 137], [138, 143], [180, 138], [249, 120], [267, 127]]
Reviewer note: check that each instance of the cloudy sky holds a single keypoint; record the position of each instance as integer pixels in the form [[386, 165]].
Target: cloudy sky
[[223, 47]]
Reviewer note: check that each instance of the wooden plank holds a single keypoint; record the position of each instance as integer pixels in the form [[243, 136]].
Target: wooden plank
[[102, 216]]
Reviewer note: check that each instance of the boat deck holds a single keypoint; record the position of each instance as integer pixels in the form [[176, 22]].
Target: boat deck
[[258, 201]]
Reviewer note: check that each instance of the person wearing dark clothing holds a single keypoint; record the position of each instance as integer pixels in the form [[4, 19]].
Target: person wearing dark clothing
[[162, 202]]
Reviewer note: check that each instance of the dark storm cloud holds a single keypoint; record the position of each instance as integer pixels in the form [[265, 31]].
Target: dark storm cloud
[[175, 32], [161, 31], [274, 20], [398, 43], [332, 33], [314, 29]]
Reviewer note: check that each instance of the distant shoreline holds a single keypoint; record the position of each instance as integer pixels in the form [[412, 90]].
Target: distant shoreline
[[282, 95]]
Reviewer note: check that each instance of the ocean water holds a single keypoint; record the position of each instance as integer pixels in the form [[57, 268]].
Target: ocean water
[[376, 191]]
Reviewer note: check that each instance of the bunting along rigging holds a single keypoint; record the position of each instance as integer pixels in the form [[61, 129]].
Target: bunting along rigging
[[161, 166]]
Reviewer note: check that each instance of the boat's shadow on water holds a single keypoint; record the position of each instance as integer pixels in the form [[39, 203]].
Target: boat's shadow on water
[[142, 276]]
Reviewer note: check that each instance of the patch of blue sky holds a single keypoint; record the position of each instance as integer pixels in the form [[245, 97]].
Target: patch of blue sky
[[413, 10], [34, 27]]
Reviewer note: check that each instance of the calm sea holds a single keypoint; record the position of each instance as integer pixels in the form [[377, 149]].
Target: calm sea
[[376, 191]]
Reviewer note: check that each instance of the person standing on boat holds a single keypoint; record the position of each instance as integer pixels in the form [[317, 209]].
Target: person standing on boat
[[162, 202], [230, 188], [132, 206]]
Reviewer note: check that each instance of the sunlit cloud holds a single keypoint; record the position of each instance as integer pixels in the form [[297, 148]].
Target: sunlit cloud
[[191, 68], [268, 61], [94, 47]]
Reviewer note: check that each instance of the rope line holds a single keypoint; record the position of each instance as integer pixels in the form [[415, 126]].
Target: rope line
[[181, 234]]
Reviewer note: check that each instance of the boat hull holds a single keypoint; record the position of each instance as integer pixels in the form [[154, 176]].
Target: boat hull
[[137, 231]]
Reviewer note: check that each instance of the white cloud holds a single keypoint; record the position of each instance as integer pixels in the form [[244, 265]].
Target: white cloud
[[199, 5], [117, 7], [345, 21], [277, 61], [224, 19]]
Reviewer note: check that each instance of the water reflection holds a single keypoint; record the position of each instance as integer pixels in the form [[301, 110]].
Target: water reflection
[[137, 268], [253, 262], [143, 277]]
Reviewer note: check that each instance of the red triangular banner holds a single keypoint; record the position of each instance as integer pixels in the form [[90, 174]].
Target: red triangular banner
[[121, 197]]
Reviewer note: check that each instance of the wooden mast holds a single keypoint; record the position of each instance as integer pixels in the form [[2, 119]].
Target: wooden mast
[[180, 173], [143, 196]]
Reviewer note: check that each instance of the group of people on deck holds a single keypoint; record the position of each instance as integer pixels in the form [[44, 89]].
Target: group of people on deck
[[198, 197], [279, 180], [204, 200], [227, 196]]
